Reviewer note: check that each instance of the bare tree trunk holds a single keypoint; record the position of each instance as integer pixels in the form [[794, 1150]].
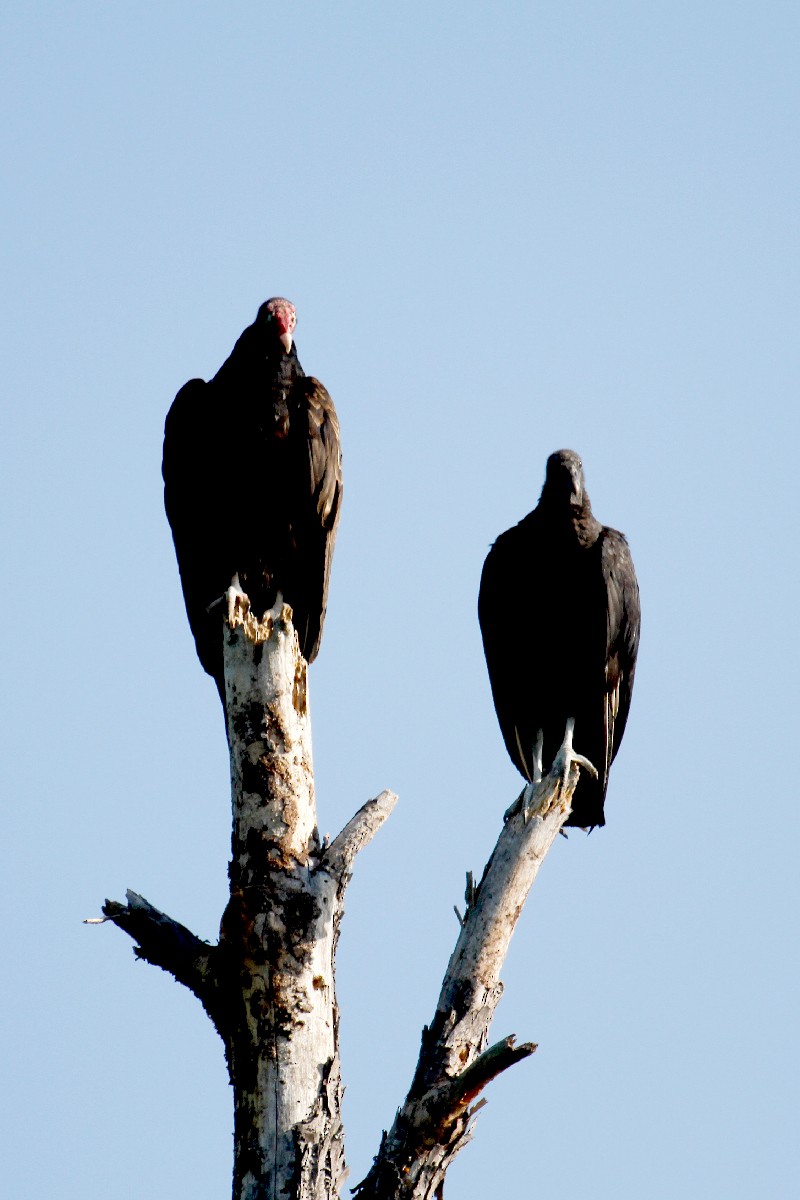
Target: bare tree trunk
[[269, 984], [279, 927]]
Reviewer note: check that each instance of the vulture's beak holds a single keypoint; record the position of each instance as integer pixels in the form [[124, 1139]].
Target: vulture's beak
[[286, 339], [577, 490]]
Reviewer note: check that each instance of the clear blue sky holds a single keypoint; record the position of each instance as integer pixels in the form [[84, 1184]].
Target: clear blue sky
[[507, 228]]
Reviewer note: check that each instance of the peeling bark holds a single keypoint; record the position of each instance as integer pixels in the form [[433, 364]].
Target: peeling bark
[[278, 929], [269, 984]]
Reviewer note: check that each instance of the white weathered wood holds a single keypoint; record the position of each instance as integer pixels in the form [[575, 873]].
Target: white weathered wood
[[359, 830], [454, 1065], [269, 732], [493, 913], [269, 984], [280, 918]]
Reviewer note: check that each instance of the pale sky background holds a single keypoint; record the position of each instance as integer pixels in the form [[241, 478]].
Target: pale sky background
[[507, 228]]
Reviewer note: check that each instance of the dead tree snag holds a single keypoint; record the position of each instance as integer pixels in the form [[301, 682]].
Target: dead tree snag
[[269, 983]]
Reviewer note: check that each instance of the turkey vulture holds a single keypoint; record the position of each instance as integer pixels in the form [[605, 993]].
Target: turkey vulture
[[559, 614], [253, 486]]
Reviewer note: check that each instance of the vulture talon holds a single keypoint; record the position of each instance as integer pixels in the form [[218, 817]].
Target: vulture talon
[[563, 761]]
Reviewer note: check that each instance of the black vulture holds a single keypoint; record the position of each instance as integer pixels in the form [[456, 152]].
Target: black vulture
[[559, 614], [253, 486]]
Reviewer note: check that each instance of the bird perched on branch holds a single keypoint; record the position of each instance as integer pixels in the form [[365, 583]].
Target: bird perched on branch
[[253, 486], [559, 615]]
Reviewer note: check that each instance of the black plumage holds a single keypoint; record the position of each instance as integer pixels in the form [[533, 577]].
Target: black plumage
[[253, 486], [559, 614]]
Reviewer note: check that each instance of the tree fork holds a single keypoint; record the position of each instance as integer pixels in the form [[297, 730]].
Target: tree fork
[[269, 984]]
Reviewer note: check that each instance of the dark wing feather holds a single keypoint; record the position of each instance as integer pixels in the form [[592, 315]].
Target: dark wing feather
[[622, 636], [190, 467], [304, 481], [317, 510], [503, 622]]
